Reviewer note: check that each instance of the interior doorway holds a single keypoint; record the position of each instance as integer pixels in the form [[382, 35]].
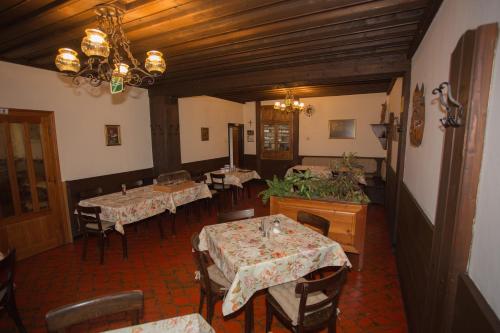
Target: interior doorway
[[31, 218], [235, 139]]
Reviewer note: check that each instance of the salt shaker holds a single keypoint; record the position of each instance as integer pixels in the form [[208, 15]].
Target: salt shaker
[[276, 226], [124, 189]]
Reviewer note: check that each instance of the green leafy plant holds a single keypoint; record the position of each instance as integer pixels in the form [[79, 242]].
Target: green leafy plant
[[343, 187]]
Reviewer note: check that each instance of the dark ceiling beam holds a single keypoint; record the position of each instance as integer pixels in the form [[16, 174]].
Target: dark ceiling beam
[[307, 91], [340, 71], [291, 62], [205, 34], [303, 50], [396, 20], [20, 10], [430, 13]]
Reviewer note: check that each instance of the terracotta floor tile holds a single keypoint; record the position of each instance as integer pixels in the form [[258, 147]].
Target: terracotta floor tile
[[164, 270]]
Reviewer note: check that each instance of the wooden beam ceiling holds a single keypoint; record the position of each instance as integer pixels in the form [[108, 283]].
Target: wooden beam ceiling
[[236, 49]]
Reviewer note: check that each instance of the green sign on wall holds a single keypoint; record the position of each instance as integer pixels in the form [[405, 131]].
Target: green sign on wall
[[116, 84]]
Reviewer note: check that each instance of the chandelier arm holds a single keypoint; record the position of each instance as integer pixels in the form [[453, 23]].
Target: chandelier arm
[[138, 76]]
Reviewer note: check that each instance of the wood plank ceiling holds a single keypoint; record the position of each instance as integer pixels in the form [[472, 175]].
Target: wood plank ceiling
[[236, 49]]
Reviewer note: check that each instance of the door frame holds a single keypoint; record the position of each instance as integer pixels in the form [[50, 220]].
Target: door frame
[[460, 173], [241, 142]]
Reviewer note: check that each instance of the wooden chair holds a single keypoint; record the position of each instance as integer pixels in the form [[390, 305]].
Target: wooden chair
[[203, 179], [95, 192], [7, 297], [178, 175], [89, 221], [218, 184], [58, 320], [235, 215], [306, 305], [213, 283], [314, 221]]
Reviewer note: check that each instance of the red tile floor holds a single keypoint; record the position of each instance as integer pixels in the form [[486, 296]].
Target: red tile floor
[[164, 270]]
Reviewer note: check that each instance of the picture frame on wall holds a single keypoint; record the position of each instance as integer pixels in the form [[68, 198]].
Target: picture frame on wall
[[250, 135], [342, 129], [112, 135], [204, 134]]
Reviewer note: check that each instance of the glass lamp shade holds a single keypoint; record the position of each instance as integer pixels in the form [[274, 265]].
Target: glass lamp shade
[[155, 64], [277, 105], [95, 44], [121, 69], [67, 61]]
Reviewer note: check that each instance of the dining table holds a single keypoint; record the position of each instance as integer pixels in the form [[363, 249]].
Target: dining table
[[191, 323], [254, 261], [324, 172], [143, 202], [236, 177]]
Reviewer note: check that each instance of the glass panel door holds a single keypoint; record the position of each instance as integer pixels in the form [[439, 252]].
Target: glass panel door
[[6, 201], [21, 166], [35, 135]]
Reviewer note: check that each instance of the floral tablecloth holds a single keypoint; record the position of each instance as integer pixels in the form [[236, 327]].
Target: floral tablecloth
[[143, 202], [254, 262], [237, 177], [192, 323], [320, 171]]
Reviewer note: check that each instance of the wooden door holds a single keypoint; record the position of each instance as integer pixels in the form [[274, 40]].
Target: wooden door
[[236, 146], [31, 219]]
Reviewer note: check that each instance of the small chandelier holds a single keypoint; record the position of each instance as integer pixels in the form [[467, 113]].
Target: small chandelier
[[290, 104], [98, 44]]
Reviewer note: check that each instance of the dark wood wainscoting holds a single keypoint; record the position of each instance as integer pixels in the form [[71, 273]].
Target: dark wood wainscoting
[[109, 184], [390, 196], [250, 162], [413, 251], [472, 312], [201, 167]]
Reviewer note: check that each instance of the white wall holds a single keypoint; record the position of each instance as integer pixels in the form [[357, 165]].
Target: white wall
[[211, 112], [430, 65], [394, 105], [80, 115], [314, 131], [249, 121]]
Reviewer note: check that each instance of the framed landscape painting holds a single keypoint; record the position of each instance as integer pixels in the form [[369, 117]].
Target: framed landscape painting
[[342, 129], [112, 135]]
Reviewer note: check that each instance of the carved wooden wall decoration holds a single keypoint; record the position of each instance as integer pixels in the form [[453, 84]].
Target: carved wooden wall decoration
[[417, 116]]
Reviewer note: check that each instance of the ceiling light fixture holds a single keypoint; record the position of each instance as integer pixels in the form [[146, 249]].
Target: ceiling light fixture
[[98, 44], [290, 104]]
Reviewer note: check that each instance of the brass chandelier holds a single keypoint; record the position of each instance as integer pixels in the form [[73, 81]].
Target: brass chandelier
[[98, 44], [289, 104]]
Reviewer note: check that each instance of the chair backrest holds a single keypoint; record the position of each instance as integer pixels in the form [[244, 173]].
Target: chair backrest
[[298, 171], [217, 178], [95, 192], [314, 221], [201, 259], [7, 271], [235, 215], [325, 309], [179, 175], [68, 315], [86, 215], [200, 179]]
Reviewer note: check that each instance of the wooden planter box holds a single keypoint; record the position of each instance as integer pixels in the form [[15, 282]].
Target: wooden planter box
[[347, 220]]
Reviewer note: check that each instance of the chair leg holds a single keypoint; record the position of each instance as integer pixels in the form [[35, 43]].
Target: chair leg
[[210, 309], [249, 192], [173, 224], [269, 317], [124, 245], [14, 313], [202, 300], [332, 325], [101, 247], [160, 226], [84, 251], [249, 326]]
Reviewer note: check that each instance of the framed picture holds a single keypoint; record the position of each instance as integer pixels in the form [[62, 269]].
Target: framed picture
[[112, 135], [204, 134], [343, 129], [250, 135]]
